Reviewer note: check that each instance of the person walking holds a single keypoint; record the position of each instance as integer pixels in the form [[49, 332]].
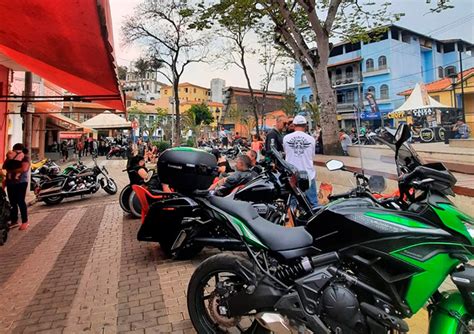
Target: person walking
[[299, 150], [17, 165], [345, 141], [275, 135], [64, 151]]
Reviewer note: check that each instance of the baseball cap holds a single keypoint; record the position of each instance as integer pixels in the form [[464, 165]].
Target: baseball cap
[[299, 120]]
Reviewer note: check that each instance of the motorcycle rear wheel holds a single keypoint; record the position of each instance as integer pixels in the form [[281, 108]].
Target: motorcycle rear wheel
[[203, 304], [124, 198], [134, 205], [53, 200]]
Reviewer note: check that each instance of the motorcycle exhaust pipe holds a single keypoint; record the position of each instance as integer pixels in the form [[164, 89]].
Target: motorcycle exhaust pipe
[[229, 244], [276, 323]]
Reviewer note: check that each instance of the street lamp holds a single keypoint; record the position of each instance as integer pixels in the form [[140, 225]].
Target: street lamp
[[453, 77]]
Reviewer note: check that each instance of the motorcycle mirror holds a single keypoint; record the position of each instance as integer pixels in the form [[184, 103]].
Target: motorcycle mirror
[[377, 183], [334, 165], [402, 134]]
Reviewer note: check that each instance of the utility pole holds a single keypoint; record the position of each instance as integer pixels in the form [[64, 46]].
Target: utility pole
[[462, 86], [27, 116]]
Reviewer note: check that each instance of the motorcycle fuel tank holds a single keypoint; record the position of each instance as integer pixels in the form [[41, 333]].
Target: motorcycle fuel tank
[[261, 189]]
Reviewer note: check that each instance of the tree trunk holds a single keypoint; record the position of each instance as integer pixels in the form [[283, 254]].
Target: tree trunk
[[177, 123], [328, 113]]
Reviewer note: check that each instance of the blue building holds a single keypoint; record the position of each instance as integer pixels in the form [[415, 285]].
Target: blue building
[[396, 61]]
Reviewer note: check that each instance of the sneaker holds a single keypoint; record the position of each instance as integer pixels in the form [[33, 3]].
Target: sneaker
[[24, 226], [13, 225]]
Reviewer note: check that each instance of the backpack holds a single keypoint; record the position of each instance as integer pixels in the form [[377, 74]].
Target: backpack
[[5, 211]]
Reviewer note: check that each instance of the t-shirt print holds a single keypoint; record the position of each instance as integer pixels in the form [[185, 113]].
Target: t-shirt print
[[299, 145]]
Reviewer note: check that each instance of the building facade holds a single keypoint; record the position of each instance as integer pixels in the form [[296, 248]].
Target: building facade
[[144, 87], [237, 113], [217, 90], [392, 63]]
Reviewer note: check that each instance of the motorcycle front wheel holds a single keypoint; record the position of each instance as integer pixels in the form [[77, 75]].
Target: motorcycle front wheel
[[206, 293], [111, 187], [53, 200]]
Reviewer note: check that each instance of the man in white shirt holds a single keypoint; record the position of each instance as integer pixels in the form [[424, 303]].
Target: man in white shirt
[[299, 149]]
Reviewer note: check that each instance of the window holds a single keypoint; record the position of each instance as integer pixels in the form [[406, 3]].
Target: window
[[406, 37], [371, 90], [369, 64], [337, 50], [449, 70], [384, 92], [395, 34], [303, 99], [350, 96], [349, 72], [185, 90], [311, 98], [448, 47], [340, 98], [194, 90], [382, 62], [129, 103], [439, 48], [303, 79], [166, 91], [338, 74], [352, 47], [440, 72], [435, 97]]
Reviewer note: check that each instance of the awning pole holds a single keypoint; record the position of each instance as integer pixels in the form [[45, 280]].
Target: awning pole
[[27, 116]]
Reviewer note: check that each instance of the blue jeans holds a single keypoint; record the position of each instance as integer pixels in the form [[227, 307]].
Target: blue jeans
[[312, 194]]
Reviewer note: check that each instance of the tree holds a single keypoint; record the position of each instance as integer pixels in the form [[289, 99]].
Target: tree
[[290, 106], [235, 24], [299, 25], [164, 27], [201, 114], [122, 72], [196, 117]]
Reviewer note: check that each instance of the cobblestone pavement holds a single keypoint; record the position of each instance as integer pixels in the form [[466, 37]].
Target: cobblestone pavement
[[79, 268]]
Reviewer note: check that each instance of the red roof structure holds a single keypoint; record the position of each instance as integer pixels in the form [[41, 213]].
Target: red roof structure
[[69, 43]]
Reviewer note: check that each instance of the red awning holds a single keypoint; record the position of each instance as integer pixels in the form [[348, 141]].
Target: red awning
[[70, 135], [69, 43]]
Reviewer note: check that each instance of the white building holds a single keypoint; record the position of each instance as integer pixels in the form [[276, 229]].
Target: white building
[[144, 87], [217, 90]]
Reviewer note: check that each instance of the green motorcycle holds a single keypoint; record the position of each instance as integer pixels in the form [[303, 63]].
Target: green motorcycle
[[361, 265]]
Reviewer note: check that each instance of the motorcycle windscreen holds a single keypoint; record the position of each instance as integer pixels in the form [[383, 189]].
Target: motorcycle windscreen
[[164, 219]]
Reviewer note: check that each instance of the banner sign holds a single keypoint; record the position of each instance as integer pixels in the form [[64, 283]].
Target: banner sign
[[372, 103], [422, 112]]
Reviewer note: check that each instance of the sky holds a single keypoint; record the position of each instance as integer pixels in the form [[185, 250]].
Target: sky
[[453, 23]]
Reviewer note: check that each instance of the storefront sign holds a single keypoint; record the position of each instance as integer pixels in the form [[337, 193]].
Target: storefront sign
[[422, 112], [426, 135], [396, 115]]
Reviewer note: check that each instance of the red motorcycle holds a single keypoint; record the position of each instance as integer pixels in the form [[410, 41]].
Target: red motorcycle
[[117, 151]]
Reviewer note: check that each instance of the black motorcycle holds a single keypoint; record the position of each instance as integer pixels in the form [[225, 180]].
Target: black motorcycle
[[5, 211], [76, 182], [361, 265], [187, 222]]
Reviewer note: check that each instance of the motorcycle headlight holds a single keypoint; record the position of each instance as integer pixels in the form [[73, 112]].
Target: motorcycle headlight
[[471, 232]]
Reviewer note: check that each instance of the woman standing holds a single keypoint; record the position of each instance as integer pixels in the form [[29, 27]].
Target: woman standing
[[17, 165]]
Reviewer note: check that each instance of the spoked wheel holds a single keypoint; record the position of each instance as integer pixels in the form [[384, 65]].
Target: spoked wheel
[[216, 277], [53, 200]]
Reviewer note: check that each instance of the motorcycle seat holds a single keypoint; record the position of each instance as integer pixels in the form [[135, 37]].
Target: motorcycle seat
[[275, 237]]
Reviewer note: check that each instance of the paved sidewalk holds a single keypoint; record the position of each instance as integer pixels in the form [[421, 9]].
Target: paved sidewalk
[[80, 269]]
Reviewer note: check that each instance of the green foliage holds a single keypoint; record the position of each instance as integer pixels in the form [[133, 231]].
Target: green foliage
[[161, 145], [201, 114], [122, 72], [290, 106], [190, 142]]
